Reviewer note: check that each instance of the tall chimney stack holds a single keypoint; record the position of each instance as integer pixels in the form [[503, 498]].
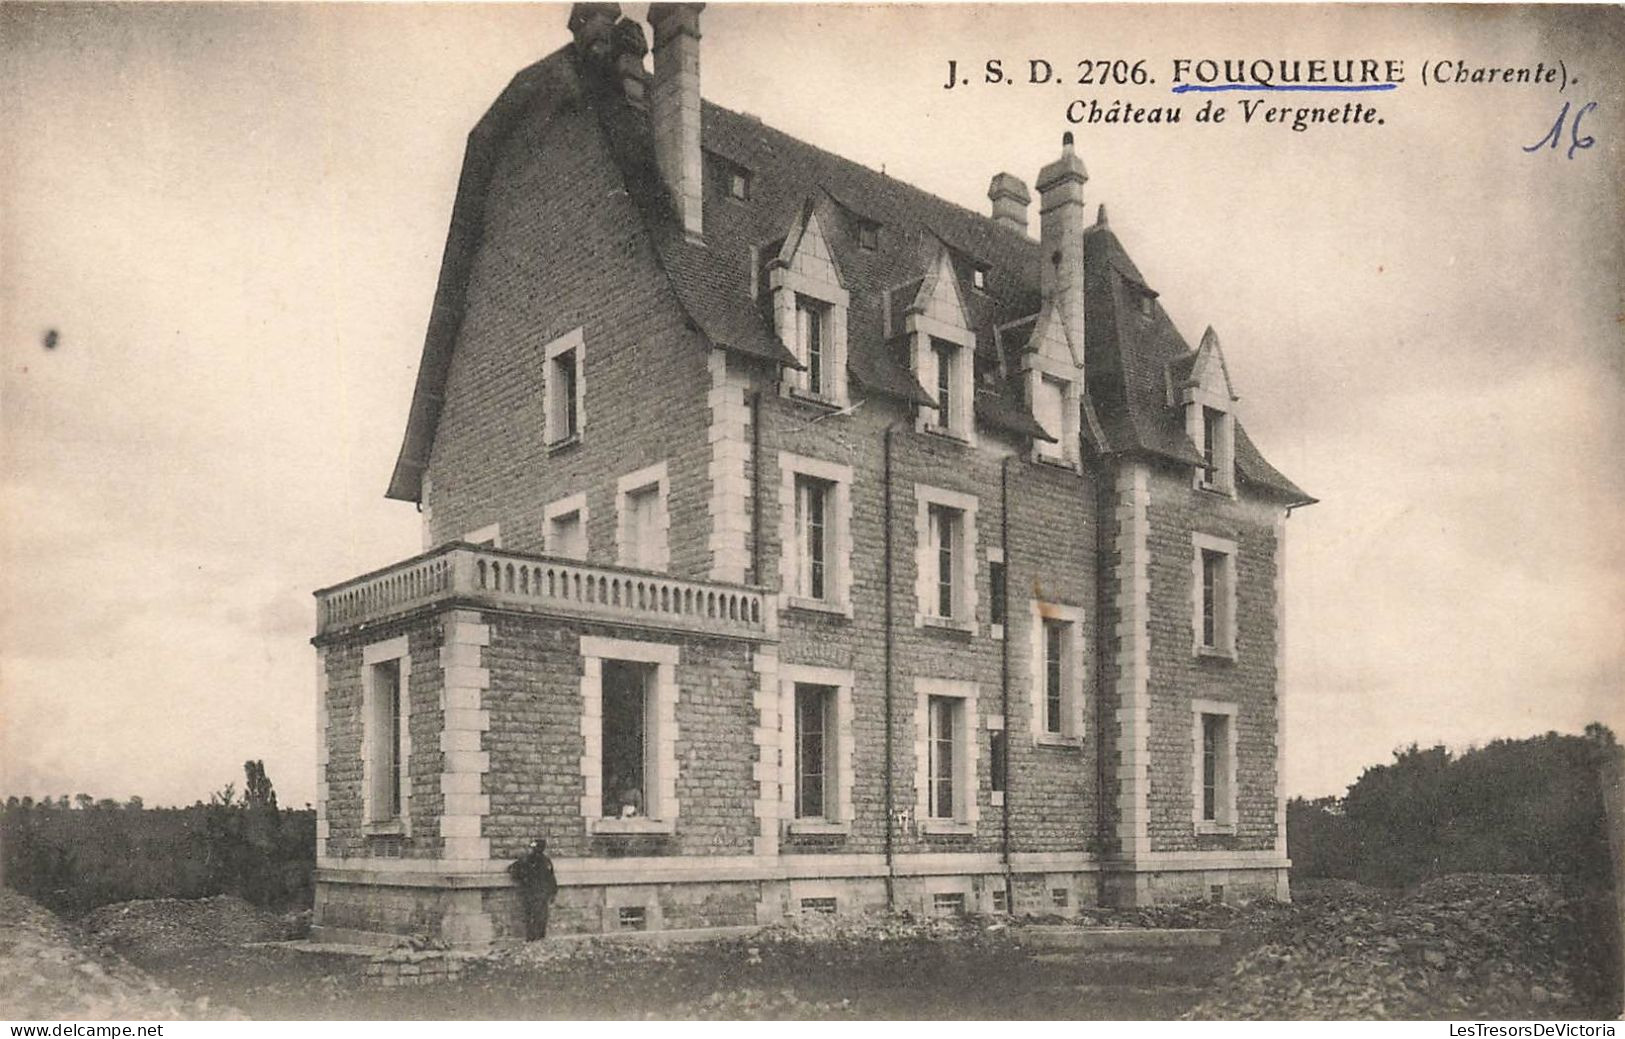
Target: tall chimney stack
[[1010, 199], [1060, 224], [674, 107]]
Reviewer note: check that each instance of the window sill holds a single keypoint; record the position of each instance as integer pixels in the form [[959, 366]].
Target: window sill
[[925, 620], [819, 827], [1216, 653], [823, 606], [1050, 739], [573, 440], [385, 828], [1068, 464], [1217, 490], [635, 825], [812, 400], [946, 434], [947, 828], [1208, 828]]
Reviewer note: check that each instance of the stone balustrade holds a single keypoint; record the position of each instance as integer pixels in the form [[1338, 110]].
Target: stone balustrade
[[476, 576]]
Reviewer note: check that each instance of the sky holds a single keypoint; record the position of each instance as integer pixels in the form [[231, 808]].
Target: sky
[[232, 218]]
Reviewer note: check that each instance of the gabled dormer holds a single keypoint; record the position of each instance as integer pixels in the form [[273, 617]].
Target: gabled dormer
[[1202, 388], [1052, 370], [809, 304], [942, 349]]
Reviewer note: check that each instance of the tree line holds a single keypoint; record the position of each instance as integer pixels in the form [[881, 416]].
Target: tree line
[[1532, 805], [75, 856]]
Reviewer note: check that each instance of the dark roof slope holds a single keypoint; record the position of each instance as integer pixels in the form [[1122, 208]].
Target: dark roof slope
[[1127, 354]]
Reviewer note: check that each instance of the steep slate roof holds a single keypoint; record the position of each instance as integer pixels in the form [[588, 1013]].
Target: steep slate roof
[[1126, 354]]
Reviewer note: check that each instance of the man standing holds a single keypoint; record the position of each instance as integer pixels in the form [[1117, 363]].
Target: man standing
[[533, 872]]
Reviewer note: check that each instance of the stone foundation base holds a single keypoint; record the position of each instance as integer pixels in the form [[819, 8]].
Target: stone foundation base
[[1127, 887], [475, 911]]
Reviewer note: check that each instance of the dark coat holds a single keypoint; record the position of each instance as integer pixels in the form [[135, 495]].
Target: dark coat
[[533, 872]]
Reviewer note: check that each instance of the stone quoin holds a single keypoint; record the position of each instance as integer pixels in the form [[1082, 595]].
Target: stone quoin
[[794, 541]]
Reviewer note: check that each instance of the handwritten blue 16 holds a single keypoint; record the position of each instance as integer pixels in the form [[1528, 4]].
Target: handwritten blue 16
[[1554, 136]]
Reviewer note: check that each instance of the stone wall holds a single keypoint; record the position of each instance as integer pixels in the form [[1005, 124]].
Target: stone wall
[[563, 247], [1178, 674]]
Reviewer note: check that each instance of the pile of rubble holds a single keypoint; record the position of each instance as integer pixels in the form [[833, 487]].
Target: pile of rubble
[[166, 925], [52, 974], [1468, 945], [750, 1004]]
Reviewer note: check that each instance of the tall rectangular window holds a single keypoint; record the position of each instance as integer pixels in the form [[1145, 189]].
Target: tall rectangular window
[[561, 396], [812, 339], [564, 389], [1049, 408], [567, 536], [813, 537], [641, 532], [1213, 565], [943, 716], [944, 533], [1055, 640], [624, 766], [388, 723], [946, 354], [996, 591], [998, 759], [814, 710], [1212, 433], [1213, 727]]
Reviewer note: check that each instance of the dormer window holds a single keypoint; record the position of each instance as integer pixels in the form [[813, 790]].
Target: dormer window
[[812, 343], [727, 178], [1145, 304], [951, 388], [809, 312], [1218, 450], [1054, 381], [978, 278], [868, 235], [1212, 431], [1210, 422]]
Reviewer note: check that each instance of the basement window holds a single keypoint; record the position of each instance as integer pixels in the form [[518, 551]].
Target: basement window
[[1001, 900], [948, 903], [1059, 897], [1216, 894], [632, 918], [824, 905]]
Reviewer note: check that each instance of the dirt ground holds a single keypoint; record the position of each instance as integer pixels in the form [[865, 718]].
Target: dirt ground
[[1475, 946]]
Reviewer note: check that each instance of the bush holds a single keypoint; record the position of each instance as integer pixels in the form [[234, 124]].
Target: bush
[[73, 860], [1515, 806]]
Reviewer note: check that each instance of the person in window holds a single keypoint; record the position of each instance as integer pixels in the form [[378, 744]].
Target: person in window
[[533, 872]]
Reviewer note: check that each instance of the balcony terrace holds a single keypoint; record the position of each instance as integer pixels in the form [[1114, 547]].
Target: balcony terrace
[[460, 574]]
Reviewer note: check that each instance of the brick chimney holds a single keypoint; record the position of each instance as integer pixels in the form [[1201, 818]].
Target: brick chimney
[[674, 106], [593, 27], [1010, 199], [1060, 225]]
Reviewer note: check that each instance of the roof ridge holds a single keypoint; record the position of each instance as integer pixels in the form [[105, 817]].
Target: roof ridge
[[985, 219]]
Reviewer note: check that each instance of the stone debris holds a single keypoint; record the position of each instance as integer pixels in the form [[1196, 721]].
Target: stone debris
[[750, 1004], [1462, 946], [53, 973], [165, 925]]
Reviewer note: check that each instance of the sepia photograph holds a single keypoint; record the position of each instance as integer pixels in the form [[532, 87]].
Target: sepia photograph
[[794, 511]]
